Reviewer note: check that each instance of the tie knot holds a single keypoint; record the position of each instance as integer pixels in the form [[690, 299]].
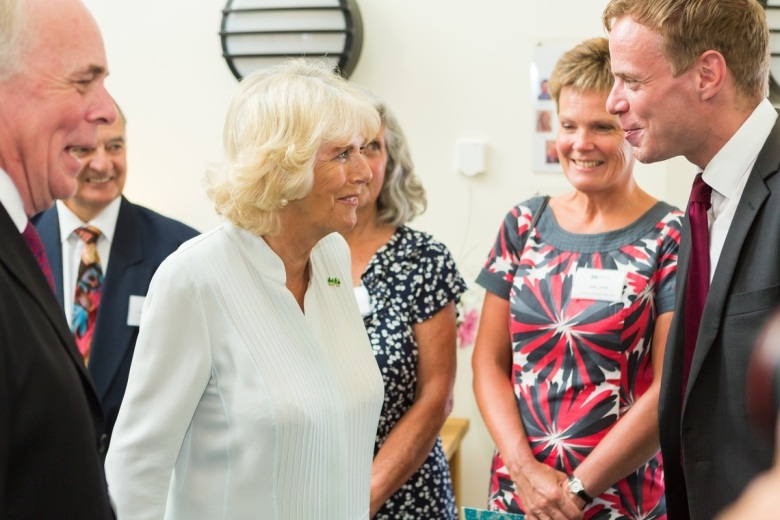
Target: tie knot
[[701, 191], [88, 234]]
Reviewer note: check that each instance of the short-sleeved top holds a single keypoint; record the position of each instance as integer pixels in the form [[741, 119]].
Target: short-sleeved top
[[582, 318], [409, 279]]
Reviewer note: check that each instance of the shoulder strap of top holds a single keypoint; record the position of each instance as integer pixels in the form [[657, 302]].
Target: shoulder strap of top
[[535, 220]]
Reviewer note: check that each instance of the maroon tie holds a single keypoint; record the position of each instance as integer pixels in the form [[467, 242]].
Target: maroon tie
[[698, 269], [33, 239]]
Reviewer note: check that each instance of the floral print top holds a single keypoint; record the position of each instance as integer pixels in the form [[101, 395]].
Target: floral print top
[[581, 353], [409, 280]]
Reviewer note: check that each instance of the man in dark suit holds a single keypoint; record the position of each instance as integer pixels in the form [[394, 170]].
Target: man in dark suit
[[52, 98], [133, 242], [691, 79]]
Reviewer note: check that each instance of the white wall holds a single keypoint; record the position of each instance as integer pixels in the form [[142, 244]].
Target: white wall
[[450, 69]]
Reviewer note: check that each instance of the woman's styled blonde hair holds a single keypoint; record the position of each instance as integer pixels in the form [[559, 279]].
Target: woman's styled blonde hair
[[275, 125], [585, 67]]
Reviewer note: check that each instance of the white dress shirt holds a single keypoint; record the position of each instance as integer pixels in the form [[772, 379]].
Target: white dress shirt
[[728, 172], [72, 246], [239, 405], [12, 201]]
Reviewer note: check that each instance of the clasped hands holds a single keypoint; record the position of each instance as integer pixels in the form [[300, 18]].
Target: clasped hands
[[545, 494]]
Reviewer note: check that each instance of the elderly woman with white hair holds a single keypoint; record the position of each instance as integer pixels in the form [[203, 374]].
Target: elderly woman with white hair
[[253, 392]]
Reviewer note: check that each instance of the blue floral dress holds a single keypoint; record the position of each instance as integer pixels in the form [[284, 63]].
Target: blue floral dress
[[581, 359], [409, 280]]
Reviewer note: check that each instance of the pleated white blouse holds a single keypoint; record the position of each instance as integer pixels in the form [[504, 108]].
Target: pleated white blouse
[[238, 404]]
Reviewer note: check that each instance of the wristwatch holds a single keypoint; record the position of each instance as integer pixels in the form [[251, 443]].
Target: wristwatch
[[576, 487]]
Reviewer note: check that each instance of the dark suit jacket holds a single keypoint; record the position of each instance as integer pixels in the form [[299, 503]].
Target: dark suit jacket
[[142, 240], [51, 454], [710, 429]]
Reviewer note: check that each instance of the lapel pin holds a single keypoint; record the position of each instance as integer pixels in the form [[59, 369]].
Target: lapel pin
[[334, 282]]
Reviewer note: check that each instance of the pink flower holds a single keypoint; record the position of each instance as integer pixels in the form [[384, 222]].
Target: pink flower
[[467, 328]]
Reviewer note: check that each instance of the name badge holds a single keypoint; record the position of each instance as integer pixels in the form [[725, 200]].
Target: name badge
[[598, 284], [134, 309], [363, 300]]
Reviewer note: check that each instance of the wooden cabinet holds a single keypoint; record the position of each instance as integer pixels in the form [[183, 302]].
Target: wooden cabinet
[[452, 434]]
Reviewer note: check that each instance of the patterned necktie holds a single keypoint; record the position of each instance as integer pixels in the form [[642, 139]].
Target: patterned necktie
[[698, 283], [33, 239], [89, 285]]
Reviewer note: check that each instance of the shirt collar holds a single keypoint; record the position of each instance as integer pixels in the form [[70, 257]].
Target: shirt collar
[[12, 201], [739, 154], [105, 221]]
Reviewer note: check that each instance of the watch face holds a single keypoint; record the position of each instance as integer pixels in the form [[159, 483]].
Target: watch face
[[575, 485]]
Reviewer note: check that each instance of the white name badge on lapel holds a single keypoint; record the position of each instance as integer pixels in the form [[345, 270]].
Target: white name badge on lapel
[[134, 310], [598, 284]]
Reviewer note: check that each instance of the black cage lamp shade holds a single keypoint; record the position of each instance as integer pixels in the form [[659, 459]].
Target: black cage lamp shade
[[773, 20], [257, 34]]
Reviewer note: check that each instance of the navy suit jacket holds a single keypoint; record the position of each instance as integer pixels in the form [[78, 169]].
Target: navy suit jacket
[[709, 429], [51, 430], [142, 240]]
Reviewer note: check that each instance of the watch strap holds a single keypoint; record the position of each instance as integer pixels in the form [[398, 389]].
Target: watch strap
[[576, 487]]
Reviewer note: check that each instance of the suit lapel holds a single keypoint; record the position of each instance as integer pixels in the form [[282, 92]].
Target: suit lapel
[[671, 380], [22, 265], [48, 225], [753, 198], [112, 334]]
